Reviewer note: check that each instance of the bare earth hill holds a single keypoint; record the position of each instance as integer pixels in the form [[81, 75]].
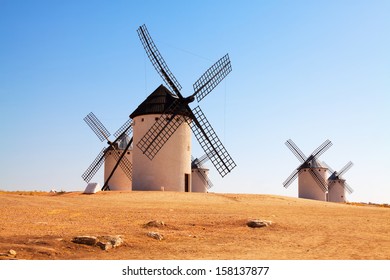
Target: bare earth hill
[[196, 226]]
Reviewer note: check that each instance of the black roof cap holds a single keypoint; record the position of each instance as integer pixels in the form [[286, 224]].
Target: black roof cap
[[157, 102]]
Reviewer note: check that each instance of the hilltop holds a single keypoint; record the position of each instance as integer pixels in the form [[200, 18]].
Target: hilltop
[[196, 226]]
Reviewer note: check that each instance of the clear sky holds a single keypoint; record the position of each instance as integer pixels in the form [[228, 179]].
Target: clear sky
[[305, 70]]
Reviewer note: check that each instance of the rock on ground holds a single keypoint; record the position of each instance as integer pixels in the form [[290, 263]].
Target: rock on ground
[[258, 223], [155, 235], [104, 242]]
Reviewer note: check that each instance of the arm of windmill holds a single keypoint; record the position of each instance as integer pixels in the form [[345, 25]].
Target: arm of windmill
[[205, 158], [205, 179], [158, 61], [322, 148], [296, 151], [97, 127], [155, 138], [319, 179], [345, 168], [290, 178], [124, 163], [95, 165], [348, 188], [125, 128], [212, 77], [210, 143]]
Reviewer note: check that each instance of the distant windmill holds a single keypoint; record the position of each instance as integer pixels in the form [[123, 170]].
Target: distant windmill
[[311, 175], [200, 178], [337, 185], [159, 119], [116, 154]]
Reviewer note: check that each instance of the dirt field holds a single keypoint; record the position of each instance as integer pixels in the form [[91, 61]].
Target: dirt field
[[197, 226]]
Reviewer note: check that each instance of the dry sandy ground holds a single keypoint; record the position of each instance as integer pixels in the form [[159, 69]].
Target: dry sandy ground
[[197, 226]]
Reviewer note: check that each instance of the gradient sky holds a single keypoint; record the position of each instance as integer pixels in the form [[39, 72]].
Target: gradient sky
[[305, 70]]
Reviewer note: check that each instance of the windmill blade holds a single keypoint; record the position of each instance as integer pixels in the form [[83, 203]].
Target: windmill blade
[[345, 168], [126, 165], [318, 178], [210, 143], [94, 167], [152, 142], [205, 179], [97, 127], [290, 178], [212, 77], [348, 188], [125, 128], [124, 162], [157, 60], [322, 149], [205, 158], [296, 151]]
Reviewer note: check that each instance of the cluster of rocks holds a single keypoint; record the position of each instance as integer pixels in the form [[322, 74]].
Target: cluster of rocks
[[155, 224], [112, 241], [105, 242]]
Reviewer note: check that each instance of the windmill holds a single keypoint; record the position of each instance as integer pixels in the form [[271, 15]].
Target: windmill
[[336, 184], [311, 175], [200, 182], [116, 154], [170, 109]]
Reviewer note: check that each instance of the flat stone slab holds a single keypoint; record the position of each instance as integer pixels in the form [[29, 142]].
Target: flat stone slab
[[86, 240]]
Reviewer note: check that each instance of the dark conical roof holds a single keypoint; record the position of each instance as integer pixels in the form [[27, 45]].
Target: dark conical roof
[[157, 102]]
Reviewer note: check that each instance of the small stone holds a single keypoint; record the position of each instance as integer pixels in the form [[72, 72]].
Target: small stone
[[258, 223], [86, 240], [109, 242], [155, 223], [104, 246], [155, 235], [12, 252]]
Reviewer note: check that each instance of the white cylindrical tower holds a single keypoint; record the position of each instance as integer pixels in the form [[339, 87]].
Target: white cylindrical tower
[[170, 169], [336, 192], [200, 179], [308, 186]]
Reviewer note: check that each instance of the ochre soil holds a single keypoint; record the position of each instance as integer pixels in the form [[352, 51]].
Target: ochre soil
[[197, 226]]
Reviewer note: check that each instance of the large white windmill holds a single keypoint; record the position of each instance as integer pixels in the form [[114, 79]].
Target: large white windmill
[[311, 175], [161, 156], [162, 127]]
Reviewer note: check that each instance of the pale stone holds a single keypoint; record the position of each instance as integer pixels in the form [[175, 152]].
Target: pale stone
[[155, 235], [155, 223]]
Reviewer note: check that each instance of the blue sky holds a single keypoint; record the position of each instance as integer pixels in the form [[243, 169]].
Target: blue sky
[[305, 70]]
